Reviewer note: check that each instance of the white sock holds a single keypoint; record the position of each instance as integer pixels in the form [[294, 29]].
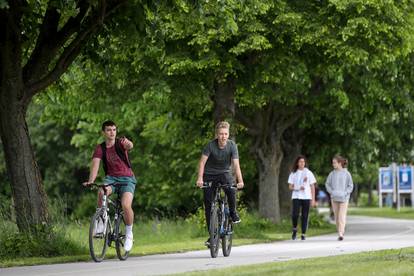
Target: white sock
[[128, 230]]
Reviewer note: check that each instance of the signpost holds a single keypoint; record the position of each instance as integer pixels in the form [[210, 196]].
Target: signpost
[[396, 180]]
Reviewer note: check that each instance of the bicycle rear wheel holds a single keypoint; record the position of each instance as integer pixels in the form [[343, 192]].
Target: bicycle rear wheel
[[120, 238], [98, 237], [227, 239], [214, 232]]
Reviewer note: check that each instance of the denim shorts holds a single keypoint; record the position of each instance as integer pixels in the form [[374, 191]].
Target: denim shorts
[[129, 180]]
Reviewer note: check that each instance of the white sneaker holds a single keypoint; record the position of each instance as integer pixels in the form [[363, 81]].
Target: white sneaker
[[129, 240]]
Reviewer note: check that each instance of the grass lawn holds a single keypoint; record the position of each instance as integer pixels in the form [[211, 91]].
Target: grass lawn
[[160, 237], [386, 262], [150, 237], [404, 213]]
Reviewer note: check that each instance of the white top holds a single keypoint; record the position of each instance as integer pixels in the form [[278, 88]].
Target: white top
[[302, 178]]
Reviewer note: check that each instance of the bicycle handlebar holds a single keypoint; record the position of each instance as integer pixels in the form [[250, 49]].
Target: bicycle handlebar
[[92, 185], [220, 185]]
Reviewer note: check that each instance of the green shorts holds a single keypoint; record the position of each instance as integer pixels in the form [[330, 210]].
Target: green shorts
[[129, 180]]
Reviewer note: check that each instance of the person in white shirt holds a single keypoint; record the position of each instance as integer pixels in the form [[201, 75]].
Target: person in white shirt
[[302, 184]]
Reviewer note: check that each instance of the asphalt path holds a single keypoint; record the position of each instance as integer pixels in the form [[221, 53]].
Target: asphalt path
[[362, 234]]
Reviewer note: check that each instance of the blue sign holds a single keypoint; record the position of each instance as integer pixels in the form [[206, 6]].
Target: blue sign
[[386, 179], [405, 175]]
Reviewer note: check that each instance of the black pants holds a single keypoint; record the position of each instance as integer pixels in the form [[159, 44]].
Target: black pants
[[297, 205], [209, 193]]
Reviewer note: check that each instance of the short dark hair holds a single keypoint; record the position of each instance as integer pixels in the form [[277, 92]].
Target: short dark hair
[[295, 165], [107, 123]]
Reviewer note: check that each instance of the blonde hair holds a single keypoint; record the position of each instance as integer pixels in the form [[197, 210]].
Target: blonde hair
[[222, 124]]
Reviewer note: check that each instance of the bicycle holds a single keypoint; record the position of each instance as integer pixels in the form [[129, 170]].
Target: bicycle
[[111, 230], [221, 225]]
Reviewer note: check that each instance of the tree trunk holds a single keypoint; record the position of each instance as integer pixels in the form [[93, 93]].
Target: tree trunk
[[292, 147], [370, 187], [27, 189], [269, 158], [28, 194], [224, 106]]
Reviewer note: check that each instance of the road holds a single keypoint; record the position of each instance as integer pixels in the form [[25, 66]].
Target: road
[[363, 234]]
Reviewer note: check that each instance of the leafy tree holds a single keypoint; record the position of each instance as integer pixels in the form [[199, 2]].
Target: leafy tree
[[38, 42]]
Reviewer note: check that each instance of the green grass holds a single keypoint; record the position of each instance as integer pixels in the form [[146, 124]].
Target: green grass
[[150, 237], [385, 262], [404, 213]]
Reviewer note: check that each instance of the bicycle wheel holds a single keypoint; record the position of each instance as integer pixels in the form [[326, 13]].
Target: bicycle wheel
[[120, 238], [227, 239], [214, 232], [98, 237]]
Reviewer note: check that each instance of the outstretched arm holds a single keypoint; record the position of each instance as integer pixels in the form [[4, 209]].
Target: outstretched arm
[[127, 144]]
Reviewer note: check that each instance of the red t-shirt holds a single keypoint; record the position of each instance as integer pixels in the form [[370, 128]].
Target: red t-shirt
[[116, 167]]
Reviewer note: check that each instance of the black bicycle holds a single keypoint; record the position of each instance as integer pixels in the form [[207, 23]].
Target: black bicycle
[[103, 231], [221, 225]]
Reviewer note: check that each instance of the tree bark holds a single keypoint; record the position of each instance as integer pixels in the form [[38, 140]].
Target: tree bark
[[28, 194], [292, 147], [223, 98], [269, 158]]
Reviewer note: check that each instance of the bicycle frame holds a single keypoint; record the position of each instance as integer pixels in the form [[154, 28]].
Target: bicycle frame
[[106, 201]]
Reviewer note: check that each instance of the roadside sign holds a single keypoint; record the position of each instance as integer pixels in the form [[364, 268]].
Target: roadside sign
[[405, 178], [386, 180]]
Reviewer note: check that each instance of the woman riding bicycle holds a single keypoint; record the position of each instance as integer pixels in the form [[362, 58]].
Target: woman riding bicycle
[[218, 156]]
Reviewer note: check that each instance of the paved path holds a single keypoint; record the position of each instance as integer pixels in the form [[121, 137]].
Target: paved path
[[363, 234]]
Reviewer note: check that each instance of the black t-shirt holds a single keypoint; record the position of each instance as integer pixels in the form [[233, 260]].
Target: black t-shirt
[[219, 160]]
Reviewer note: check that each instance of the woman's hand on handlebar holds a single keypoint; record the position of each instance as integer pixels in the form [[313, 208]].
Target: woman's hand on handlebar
[[240, 185]]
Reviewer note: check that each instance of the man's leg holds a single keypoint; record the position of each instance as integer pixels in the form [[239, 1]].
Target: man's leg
[[231, 199], [101, 194], [208, 198], [126, 202]]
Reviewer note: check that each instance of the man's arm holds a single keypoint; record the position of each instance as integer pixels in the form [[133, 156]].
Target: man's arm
[[201, 165], [236, 166], [94, 171], [127, 144]]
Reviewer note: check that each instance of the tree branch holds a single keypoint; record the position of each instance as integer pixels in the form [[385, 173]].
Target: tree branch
[[73, 49], [46, 45]]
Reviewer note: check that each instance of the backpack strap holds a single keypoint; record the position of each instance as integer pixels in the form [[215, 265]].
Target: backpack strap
[[121, 153], [104, 160]]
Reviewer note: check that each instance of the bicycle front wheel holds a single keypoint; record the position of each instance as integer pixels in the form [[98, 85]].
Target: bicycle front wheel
[[227, 239], [98, 237], [214, 232], [120, 238]]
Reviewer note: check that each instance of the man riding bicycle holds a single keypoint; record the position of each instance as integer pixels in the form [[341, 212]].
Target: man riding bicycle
[[114, 155], [218, 156]]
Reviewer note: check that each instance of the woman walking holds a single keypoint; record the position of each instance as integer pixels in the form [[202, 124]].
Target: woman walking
[[339, 185], [302, 184]]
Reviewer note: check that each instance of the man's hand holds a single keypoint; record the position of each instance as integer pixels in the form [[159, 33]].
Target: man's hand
[[125, 143], [87, 183], [240, 185], [200, 182], [313, 203]]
